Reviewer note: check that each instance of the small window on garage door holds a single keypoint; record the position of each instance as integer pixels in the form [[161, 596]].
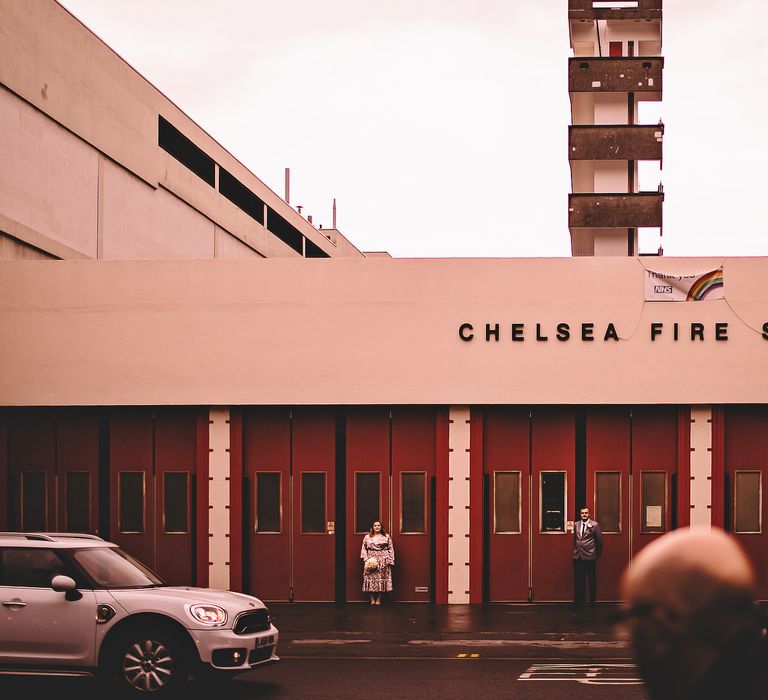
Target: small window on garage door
[[78, 496], [313, 503], [747, 508], [34, 501], [608, 501], [268, 505], [132, 492], [413, 503], [367, 500], [653, 502], [506, 503], [176, 503], [553, 501]]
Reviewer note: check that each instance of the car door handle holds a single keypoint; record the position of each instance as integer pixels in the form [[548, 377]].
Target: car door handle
[[14, 604]]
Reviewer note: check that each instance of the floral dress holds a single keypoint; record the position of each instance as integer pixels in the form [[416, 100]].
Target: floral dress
[[380, 548]]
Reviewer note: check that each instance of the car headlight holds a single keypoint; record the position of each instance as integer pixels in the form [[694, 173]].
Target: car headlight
[[209, 614]]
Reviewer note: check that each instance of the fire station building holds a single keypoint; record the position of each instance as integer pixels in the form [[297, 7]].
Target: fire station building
[[192, 369]]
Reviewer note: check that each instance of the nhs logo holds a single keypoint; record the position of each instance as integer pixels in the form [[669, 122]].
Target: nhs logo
[[662, 289]]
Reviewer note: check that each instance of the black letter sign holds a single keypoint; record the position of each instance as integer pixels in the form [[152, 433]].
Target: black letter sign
[[656, 330], [721, 331], [697, 330], [465, 332], [610, 333], [564, 331]]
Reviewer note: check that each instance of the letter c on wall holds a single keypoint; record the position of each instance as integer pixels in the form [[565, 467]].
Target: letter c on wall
[[465, 332]]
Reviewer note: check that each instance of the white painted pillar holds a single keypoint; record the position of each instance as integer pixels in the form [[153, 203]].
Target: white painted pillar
[[458, 504], [218, 498], [701, 465]]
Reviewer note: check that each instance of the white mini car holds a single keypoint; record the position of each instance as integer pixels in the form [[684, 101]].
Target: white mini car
[[75, 604]]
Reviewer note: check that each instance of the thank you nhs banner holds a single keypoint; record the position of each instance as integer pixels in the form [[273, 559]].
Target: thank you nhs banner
[[667, 286]]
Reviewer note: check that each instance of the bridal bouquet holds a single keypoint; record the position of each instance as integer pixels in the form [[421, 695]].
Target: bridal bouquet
[[371, 565]]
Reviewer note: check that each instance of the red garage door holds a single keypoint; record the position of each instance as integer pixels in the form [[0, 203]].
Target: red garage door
[[368, 485], [655, 461], [506, 466], [625, 464], [314, 498], [53, 461], [413, 489], [745, 488], [553, 502], [267, 491], [153, 465], [608, 458]]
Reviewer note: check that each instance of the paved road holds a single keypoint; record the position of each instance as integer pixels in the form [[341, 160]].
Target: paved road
[[424, 652], [419, 677]]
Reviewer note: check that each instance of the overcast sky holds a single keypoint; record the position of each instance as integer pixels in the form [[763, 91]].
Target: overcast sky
[[441, 125]]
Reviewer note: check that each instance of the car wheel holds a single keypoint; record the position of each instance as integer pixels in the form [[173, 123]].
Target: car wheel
[[150, 663]]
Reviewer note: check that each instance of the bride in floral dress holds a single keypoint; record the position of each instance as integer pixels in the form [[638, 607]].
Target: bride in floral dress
[[378, 557]]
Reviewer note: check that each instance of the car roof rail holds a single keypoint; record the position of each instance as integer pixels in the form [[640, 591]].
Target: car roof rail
[[28, 536], [52, 536]]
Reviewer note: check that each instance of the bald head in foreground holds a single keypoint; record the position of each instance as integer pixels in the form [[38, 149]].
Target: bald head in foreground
[[694, 628]]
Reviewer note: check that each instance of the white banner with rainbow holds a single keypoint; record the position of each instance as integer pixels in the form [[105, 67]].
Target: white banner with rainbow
[[699, 286]]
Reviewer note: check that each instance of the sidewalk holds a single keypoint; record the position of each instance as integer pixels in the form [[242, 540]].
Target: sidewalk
[[422, 621]]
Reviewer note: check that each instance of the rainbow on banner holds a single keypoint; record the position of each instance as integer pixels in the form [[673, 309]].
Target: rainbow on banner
[[706, 284], [684, 285]]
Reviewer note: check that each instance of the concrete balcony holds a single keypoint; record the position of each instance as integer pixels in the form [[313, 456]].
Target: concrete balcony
[[615, 142], [592, 210], [640, 75], [589, 10]]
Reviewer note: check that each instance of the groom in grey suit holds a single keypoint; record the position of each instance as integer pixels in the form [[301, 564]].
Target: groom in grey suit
[[587, 548]]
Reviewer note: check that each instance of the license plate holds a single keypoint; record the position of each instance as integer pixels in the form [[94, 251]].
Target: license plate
[[265, 641]]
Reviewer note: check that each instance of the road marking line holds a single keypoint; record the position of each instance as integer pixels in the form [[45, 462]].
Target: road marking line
[[335, 657], [330, 641], [474, 656], [461, 656], [586, 673], [538, 643]]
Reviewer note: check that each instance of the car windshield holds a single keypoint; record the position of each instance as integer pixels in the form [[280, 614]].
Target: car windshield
[[111, 567]]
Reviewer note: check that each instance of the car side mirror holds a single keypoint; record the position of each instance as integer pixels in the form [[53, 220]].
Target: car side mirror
[[66, 585]]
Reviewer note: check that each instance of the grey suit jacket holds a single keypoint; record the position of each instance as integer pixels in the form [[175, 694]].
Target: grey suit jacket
[[587, 540]]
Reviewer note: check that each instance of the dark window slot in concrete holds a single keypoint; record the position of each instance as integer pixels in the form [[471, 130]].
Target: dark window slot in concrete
[[237, 193], [171, 140], [284, 231]]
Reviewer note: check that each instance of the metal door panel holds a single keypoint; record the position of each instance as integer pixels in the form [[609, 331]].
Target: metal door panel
[[552, 451], [654, 450], [506, 450], [608, 452], [77, 457], [746, 451], [367, 451], [175, 457], [267, 449], [413, 453], [32, 450], [131, 452], [314, 554]]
